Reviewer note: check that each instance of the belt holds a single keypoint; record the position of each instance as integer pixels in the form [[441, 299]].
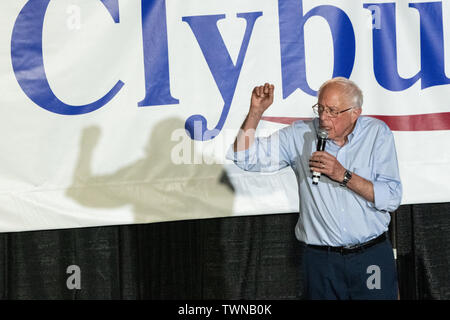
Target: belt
[[351, 249]]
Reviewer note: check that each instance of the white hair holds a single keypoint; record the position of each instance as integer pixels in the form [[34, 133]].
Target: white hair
[[349, 89]]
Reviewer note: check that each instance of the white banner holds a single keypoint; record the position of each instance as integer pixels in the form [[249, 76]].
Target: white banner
[[99, 100]]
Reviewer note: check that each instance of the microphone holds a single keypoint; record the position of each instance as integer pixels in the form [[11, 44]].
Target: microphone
[[322, 136]]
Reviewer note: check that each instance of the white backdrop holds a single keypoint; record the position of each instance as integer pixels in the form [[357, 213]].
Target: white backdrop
[[123, 163]]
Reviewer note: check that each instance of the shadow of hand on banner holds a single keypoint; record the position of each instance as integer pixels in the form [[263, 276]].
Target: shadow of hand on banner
[[155, 186]]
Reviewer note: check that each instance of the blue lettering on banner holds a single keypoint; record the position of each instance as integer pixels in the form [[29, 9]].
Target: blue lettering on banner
[[113, 8], [222, 68], [156, 56], [432, 70], [29, 70], [292, 43], [28, 63]]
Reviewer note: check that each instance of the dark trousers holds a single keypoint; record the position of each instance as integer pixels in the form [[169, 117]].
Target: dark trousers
[[367, 274]]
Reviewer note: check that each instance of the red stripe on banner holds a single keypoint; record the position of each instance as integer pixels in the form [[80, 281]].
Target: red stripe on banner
[[417, 122], [284, 120]]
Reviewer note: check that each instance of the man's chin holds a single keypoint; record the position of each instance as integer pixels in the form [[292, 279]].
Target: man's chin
[[328, 129], [330, 133]]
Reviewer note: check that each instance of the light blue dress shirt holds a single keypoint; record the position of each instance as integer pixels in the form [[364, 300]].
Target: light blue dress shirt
[[330, 214]]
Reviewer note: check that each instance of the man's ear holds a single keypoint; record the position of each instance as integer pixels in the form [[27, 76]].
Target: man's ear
[[356, 113]]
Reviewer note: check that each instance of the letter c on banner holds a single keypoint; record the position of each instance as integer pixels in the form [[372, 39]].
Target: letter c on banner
[[28, 62]]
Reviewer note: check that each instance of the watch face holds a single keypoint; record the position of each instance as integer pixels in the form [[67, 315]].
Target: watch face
[[347, 176]]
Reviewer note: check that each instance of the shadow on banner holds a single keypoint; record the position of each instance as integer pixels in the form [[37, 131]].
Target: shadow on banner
[[157, 188]]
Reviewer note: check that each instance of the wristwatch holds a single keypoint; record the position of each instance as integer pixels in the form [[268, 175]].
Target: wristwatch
[[347, 177]]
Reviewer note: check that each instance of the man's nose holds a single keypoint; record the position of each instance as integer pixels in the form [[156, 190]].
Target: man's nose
[[323, 115]]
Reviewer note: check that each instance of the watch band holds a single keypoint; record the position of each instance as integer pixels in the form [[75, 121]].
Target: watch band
[[347, 177]]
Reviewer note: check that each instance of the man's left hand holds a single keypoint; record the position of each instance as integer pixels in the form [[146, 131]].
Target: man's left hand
[[325, 163]]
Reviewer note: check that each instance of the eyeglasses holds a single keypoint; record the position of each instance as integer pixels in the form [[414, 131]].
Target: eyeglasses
[[319, 109]]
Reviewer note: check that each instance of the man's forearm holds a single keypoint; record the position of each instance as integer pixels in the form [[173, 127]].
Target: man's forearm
[[362, 187], [262, 98], [246, 135]]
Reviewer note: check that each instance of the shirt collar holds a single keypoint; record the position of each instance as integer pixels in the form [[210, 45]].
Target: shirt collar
[[356, 130]]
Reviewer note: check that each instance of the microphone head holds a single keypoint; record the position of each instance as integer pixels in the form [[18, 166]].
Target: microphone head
[[322, 133]]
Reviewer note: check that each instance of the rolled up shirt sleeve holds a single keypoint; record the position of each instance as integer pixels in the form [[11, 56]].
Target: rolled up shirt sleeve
[[387, 186], [266, 154], [388, 194]]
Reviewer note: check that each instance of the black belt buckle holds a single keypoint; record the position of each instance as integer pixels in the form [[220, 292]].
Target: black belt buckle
[[351, 249], [360, 247]]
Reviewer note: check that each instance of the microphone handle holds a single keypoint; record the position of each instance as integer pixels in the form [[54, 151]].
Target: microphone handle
[[321, 144], [320, 147]]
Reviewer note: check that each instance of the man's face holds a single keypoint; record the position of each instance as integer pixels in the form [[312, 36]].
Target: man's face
[[340, 127]]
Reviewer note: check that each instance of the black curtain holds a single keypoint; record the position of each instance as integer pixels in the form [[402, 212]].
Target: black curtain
[[251, 257]]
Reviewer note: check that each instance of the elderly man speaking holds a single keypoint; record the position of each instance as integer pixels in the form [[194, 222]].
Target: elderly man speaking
[[343, 219]]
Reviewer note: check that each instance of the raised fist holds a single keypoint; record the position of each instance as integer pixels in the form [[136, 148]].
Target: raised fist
[[262, 98]]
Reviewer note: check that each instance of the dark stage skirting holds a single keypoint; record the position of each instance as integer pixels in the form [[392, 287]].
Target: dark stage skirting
[[252, 257]]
